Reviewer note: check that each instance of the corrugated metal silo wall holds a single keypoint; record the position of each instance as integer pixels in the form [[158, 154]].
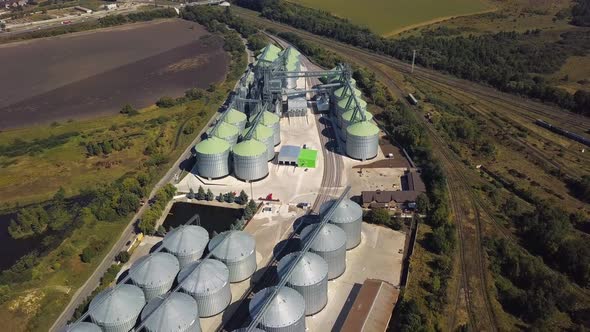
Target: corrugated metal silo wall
[[243, 269], [214, 303], [362, 147], [353, 233], [213, 165], [270, 146], [186, 259], [315, 296], [276, 132], [250, 168], [298, 326], [336, 260], [344, 125], [232, 140], [151, 292], [119, 326]]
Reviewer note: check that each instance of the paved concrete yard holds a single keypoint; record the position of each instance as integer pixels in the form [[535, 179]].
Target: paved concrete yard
[[378, 256], [374, 179]]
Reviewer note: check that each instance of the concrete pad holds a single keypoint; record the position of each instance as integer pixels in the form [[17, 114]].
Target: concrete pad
[[379, 256]]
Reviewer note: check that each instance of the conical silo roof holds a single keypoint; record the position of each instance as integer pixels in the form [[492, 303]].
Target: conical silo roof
[[83, 327], [186, 239], [234, 116], [261, 132], [330, 237], [287, 308], [154, 269], [345, 91], [232, 246], [225, 130], [269, 119], [363, 129], [310, 270], [122, 303], [250, 147], [209, 276], [342, 103], [178, 313], [212, 145], [347, 116], [346, 212]]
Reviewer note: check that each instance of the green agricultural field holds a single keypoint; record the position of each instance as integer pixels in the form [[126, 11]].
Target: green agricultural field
[[388, 17]]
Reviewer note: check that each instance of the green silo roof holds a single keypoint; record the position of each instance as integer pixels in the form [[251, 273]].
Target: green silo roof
[[225, 130], [363, 128], [340, 91], [269, 119], [212, 145], [260, 132], [292, 64], [348, 116], [250, 148], [342, 103], [234, 116], [270, 53]]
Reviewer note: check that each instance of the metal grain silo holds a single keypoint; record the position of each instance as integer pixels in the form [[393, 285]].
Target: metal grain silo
[[250, 160], [117, 309], [154, 273], [272, 121], [309, 278], [330, 244], [345, 105], [236, 118], [207, 281], [212, 157], [348, 216], [237, 250], [187, 243], [286, 312], [82, 327], [347, 119], [178, 312], [227, 132], [344, 92], [245, 329], [362, 140], [264, 135]]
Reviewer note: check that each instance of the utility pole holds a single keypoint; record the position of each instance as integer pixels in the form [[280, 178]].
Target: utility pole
[[413, 60]]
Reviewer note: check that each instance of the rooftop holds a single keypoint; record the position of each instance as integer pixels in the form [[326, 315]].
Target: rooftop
[[212, 145], [363, 128], [372, 308], [250, 148]]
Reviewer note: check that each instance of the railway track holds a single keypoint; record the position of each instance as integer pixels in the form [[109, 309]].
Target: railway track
[[530, 109]]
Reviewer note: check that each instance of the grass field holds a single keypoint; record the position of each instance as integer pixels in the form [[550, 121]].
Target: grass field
[[388, 17]]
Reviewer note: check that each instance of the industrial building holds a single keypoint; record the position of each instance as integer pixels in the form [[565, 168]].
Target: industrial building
[[285, 313], [348, 215], [372, 308], [117, 309], [330, 244], [296, 156]]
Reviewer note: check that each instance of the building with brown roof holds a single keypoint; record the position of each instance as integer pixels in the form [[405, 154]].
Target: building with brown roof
[[372, 308], [412, 186]]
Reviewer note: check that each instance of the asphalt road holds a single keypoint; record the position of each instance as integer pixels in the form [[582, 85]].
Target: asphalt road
[[128, 234]]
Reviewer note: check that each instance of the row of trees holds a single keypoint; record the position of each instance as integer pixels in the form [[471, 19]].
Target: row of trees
[[105, 147], [508, 61], [147, 224], [20, 147], [581, 13]]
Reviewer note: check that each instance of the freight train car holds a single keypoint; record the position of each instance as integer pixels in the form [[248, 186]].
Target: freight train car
[[563, 132]]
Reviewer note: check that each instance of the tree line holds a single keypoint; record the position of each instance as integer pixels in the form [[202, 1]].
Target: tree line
[[508, 61], [581, 13]]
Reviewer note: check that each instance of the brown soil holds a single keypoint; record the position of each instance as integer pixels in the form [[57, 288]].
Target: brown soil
[[398, 160], [89, 74]]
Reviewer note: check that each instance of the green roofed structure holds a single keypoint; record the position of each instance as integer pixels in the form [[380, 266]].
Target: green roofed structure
[[212, 145], [227, 132], [269, 54], [307, 158], [236, 118], [344, 92]]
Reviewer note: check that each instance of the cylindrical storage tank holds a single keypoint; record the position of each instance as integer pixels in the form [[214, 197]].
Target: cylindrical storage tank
[[117, 309], [330, 244], [245, 329], [309, 278], [341, 108], [236, 118], [344, 92], [237, 250], [264, 135], [82, 327], [178, 312], [250, 160], [227, 132], [348, 216], [286, 312], [187, 243], [272, 121], [154, 273], [212, 157], [207, 281], [362, 140], [346, 120]]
